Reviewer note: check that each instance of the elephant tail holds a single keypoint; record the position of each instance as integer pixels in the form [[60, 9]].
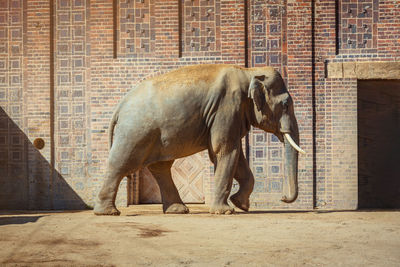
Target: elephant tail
[[113, 122]]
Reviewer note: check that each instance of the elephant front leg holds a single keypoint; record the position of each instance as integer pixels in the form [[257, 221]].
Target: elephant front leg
[[245, 178], [225, 163], [172, 202]]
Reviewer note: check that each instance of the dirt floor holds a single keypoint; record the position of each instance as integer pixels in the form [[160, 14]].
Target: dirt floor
[[143, 236]]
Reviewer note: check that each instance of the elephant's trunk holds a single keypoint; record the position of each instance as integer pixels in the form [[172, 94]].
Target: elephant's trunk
[[291, 156]]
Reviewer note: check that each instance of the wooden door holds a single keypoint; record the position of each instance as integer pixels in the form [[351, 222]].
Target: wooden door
[[190, 176]]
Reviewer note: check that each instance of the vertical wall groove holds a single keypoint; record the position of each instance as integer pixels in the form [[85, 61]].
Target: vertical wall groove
[[25, 86], [246, 62], [314, 111], [180, 42], [115, 28], [337, 27], [52, 148], [246, 33]]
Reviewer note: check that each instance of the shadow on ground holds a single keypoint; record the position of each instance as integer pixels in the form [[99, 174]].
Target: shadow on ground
[[18, 219]]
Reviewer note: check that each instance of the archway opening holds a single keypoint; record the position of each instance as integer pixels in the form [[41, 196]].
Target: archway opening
[[379, 144]]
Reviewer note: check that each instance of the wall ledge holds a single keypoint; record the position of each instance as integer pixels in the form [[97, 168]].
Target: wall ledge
[[364, 70]]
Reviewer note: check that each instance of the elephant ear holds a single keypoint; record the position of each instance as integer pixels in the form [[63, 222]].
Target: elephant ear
[[256, 91]]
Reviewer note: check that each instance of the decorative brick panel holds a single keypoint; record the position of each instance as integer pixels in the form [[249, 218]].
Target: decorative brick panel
[[14, 187], [72, 94], [137, 27], [358, 26], [268, 30], [201, 34], [268, 46]]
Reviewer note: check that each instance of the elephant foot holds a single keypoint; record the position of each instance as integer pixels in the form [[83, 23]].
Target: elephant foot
[[176, 208], [105, 210], [240, 202], [222, 209]]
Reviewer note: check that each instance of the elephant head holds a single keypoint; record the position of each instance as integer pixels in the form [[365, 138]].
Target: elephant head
[[274, 113]]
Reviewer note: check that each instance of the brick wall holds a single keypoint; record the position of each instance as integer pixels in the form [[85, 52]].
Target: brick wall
[[94, 66]]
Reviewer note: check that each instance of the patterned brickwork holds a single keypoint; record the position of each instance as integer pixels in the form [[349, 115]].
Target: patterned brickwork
[[357, 26], [268, 46], [268, 33], [30, 182], [137, 27], [200, 27], [37, 106], [72, 91], [298, 20], [13, 150]]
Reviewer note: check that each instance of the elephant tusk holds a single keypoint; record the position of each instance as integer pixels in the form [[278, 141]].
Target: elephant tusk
[[293, 144]]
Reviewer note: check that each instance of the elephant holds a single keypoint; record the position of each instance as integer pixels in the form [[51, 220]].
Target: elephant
[[191, 109]]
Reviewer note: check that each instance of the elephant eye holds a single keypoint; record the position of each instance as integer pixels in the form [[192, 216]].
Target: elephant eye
[[285, 104]]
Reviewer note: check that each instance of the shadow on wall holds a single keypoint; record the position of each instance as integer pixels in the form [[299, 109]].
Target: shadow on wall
[[27, 180]]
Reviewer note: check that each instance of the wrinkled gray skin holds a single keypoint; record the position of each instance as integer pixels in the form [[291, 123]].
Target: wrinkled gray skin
[[195, 108]]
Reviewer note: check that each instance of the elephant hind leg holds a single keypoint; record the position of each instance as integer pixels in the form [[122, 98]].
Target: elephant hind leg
[[105, 204], [119, 165], [172, 202]]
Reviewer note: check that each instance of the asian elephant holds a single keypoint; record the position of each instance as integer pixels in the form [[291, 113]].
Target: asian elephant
[[191, 109]]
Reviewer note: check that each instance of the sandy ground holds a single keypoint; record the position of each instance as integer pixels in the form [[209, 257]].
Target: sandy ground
[[143, 236]]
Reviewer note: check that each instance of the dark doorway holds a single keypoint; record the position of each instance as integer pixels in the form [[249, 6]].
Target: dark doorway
[[379, 143]]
